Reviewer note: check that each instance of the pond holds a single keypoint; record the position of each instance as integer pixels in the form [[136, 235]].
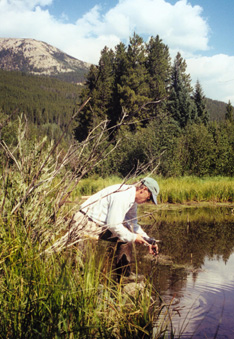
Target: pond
[[194, 273]]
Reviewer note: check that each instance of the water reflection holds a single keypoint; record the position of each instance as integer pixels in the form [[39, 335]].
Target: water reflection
[[205, 304], [194, 273]]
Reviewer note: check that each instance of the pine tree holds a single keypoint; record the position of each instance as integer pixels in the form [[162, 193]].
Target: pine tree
[[229, 112], [180, 103], [100, 85], [199, 99], [133, 88], [120, 68], [159, 68]]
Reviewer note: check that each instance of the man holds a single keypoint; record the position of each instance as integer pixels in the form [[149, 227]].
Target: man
[[111, 214]]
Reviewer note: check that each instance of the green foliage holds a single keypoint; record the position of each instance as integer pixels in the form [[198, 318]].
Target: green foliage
[[180, 105], [223, 143], [43, 100], [100, 82], [129, 82], [201, 110], [159, 68], [160, 137], [133, 87], [229, 112], [138, 83], [197, 150], [69, 294]]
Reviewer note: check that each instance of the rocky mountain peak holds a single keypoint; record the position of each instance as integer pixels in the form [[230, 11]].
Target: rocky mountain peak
[[37, 57]]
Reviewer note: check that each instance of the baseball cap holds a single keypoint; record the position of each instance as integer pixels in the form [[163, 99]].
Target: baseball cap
[[152, 186]]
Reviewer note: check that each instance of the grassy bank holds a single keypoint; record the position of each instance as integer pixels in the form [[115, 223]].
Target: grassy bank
[[69, 295], [189, 189], [173, 190]]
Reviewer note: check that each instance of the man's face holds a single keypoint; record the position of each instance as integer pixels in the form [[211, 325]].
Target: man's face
[[143, 195]]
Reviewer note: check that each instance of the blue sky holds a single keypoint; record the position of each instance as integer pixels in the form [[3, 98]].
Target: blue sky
[[201, 30], [219, 15]]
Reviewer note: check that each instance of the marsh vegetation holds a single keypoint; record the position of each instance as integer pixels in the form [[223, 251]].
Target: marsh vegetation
[[72, 294]]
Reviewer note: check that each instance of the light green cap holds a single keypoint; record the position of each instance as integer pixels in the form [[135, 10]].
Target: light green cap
[[152, 186]]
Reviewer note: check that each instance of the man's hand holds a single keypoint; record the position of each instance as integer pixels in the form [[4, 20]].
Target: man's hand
[[153, 249], [140, 240]]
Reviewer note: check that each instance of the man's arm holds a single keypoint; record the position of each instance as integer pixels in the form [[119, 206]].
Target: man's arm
[[131, 220], [118, 207]]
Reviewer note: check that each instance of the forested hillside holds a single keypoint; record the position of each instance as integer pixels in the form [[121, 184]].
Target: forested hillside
[[216, 109], [47, 103]]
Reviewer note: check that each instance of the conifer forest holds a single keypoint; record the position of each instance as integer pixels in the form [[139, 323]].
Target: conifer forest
[[153, 114]]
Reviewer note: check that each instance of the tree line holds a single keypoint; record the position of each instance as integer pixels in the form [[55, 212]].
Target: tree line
[[165, 120], [140, 80]]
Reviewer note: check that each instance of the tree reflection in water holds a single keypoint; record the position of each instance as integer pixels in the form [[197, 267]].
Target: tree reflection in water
[[194, 271]]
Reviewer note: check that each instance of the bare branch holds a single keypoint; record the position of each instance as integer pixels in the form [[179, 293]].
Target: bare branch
[[32, 186]]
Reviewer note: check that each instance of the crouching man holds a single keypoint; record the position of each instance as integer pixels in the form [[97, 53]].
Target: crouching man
[[111, 214]]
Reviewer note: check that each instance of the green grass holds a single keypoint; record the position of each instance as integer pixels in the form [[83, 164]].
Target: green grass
[[172, 190], [70, 294], [189, 189]]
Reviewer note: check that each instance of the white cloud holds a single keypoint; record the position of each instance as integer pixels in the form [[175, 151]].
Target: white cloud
[[181, 26], [19, 5], [216, 75]]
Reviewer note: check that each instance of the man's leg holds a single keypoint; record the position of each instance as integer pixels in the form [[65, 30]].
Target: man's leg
[[123, 254], [124, 258]]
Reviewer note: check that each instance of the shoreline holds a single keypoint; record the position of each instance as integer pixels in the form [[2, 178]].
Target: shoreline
[[194, 204]]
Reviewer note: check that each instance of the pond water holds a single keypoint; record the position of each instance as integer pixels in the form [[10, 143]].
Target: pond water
[[194, 273]]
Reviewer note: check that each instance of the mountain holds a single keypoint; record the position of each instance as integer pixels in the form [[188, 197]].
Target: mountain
[[39, 58]]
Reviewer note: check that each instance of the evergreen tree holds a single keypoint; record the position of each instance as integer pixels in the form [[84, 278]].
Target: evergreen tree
[[199, 99], [159, 68], [223, 150], [180, 67], [133, 87], [120, 68], [180, 103], [100, 85], [197, 150], [229, 112]]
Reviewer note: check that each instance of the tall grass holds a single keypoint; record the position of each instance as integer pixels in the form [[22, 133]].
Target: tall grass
[[70, 294], [189, 189], [172, 190]]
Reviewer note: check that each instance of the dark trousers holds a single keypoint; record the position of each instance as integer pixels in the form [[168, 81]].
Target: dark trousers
[[123, 254]]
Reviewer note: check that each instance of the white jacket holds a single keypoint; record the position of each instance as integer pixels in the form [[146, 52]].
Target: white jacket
[[114, 207]]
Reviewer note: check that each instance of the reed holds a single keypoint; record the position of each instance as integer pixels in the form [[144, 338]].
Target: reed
[[71, 294], [176, 190], [194, 189]]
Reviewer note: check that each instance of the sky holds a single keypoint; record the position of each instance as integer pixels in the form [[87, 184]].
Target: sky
[[201, 30]]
